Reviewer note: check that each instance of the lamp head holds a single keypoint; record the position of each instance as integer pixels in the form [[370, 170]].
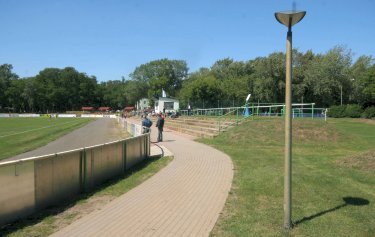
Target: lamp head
[[248, 97], [289, 18]]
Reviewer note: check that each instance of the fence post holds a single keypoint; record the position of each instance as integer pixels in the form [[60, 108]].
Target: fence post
[[124, 155], [237, 117], [83, 170], [325, 115], [312, 111]]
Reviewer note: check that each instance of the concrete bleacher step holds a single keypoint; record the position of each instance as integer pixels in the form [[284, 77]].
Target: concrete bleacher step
[[197, 126], [202, 122], [194, 133]]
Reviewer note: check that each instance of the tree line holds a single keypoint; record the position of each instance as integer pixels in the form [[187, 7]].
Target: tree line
[[325, 79]]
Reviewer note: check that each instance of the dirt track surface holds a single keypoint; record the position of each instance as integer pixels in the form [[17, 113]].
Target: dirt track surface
[[100, 131]]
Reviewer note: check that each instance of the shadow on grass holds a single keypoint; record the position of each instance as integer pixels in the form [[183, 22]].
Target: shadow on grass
[[353, 201], [57, 209]]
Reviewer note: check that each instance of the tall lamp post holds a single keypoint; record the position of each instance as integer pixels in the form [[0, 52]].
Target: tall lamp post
[[288, 18], [341, 94]]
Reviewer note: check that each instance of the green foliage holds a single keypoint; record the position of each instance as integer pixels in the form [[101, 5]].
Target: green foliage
[[64, 89], [6, 77], [206, 89], [336, 111], [367, 87], [353, 111], [369, 112], [114, 94], [342, 111], [226, 82], [160, 74], [327, 74], [350, 111]]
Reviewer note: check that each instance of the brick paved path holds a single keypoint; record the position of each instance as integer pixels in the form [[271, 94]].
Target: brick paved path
[[183, 199]]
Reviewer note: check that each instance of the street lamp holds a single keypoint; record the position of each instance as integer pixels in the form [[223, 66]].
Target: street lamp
[[288, 18], [341, 94]]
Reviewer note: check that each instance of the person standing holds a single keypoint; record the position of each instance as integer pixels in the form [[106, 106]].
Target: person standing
[[146, 124], [160, 125]]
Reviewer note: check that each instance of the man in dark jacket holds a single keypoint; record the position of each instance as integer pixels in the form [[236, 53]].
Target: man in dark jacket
[[160, 125]]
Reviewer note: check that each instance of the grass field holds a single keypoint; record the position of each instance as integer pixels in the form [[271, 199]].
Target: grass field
[[18, 135], [333, 178]]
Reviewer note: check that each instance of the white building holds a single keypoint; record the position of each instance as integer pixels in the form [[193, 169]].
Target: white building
[[143, 104], [169, 104]]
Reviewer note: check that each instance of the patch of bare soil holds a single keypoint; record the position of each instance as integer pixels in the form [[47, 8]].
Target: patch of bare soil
[[367, 121], [323, 133], [364, 161], [77, 211]]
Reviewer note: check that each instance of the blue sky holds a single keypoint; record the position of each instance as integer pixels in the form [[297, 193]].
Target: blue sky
[[110, 38]]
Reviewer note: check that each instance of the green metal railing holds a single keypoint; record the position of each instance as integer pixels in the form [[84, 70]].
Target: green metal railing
[[258, 109], [235, 114]]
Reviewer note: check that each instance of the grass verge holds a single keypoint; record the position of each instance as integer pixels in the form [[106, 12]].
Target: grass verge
[[330, 196], [55, 218]]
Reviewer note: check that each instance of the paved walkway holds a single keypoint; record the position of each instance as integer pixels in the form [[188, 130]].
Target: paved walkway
[[183, 199]]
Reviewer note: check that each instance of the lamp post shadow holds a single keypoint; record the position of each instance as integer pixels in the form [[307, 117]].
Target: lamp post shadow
[[354, 201]]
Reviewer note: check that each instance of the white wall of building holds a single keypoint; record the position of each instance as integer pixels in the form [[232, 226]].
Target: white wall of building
[[143, 103], [170, 105]]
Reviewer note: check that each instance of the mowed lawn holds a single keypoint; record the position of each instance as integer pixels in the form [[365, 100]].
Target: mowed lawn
[[18, 135], [333, 178]]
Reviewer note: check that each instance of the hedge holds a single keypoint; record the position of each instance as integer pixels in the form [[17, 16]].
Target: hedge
[[351, 111]]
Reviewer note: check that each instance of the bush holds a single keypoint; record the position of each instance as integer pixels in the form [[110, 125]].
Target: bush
[[353, 111], [336, 111], [369, 112]]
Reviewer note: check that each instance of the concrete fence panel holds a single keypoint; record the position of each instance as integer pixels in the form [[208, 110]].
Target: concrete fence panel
[[57, 177], [66, 175], [133, 151], [102, 163], [17, 190]]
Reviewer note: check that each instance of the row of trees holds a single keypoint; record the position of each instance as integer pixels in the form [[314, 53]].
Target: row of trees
[[326, 79], [323, 79]]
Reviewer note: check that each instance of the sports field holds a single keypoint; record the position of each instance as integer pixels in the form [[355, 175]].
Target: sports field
[[18, 135], [333, 178]]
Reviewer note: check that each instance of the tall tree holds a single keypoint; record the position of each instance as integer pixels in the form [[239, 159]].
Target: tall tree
[[114, 94], [65, 89], [358, 71], [270, 78], [329, 75], [203, 92], [367, 86], [6, 76], [160, 74], [14, 93]]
